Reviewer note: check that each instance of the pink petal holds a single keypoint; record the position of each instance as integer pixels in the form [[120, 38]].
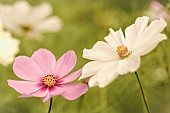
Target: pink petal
[[65, 64], [24, 87], [53, 91], [73, 91], [156, 5], [39, 93], [45, 60], [56, 91], [71, 77], [26, 68], [46, 98]]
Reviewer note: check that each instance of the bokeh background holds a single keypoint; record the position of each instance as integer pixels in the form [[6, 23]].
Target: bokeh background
[[84, 23]]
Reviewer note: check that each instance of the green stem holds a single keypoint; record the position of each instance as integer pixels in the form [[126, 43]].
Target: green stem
[[51, 101], [143, 95]]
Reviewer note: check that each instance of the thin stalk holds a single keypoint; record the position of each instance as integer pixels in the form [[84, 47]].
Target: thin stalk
[[143, 95], [51, 101]]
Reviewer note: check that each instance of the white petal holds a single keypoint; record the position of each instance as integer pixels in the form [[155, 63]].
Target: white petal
[[91, 68], [147, 46], [115, 39], [135, 30], [103, 72], [150, 38], [100, 51], [93, 81], [14, 14], [22, 10], [41, 12], [130, 64], [104, 76], [8, 18], [9, 47], [51, 24], [155, 27]]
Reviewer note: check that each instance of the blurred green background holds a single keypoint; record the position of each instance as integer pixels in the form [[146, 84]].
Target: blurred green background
[[84, 23]]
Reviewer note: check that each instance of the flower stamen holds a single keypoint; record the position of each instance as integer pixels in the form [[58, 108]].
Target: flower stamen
[[49, 81], [123, 52], [25, 28]]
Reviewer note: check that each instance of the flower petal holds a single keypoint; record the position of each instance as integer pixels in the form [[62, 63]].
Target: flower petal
[[65, 64], [53, 91], [115, 39], [155, 27], [71, 77], [102, 82], [21, 14], [45, 60], [130, 64], [155, 5], [104, 76], [150, 38], [135, 30], [51, 24], [91, 68], [24, 87], [36, 12], [26, 68], [9, 47], [104, 72], [39, 93], [46, 98], [100, 51], [73, 91], [149, 46]]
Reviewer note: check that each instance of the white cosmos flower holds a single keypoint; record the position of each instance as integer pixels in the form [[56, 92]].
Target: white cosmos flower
[[9, 47], [121, 54], [30, 21]]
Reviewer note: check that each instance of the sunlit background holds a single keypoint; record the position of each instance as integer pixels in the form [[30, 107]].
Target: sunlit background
[[83, 22]]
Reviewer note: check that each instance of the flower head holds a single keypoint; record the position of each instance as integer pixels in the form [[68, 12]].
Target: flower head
[[30, 21], [45, 77], [9, 47], [121, 54], [157, 10]]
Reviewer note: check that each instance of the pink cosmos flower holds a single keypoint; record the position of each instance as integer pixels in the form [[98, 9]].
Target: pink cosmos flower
[[45, 77]]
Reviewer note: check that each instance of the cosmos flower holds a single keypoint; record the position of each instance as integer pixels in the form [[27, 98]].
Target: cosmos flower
[[9, 47], [121, 54], [30, 21], [157, 10], [44, 77]]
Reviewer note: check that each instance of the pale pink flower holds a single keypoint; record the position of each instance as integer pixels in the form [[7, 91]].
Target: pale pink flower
[[45, 77], [157, 10]]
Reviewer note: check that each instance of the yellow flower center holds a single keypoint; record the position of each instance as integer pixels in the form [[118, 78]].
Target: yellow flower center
[[49, 81], [123, 52]]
